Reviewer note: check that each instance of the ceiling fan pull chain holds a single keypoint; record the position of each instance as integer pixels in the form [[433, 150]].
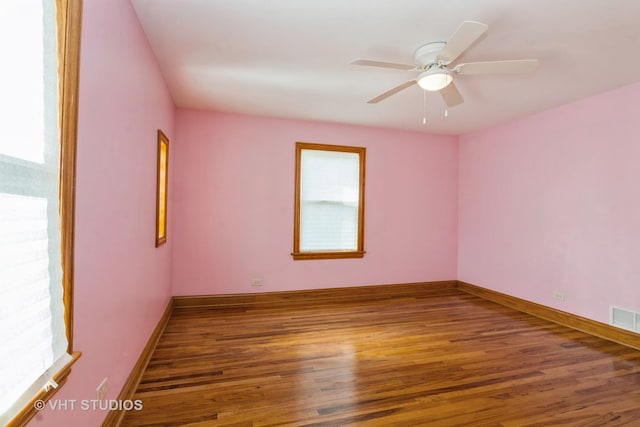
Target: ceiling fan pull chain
[[424, 107]]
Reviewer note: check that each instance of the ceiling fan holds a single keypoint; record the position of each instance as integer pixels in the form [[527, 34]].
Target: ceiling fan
[[433, 61]]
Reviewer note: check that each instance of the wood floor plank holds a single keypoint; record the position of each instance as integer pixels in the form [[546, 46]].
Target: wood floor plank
[[443, 359]]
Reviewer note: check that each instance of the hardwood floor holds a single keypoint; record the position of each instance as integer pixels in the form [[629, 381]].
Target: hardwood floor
[[445, 359]]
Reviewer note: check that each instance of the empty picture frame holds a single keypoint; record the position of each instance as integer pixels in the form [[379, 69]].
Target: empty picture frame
[[161, 188]]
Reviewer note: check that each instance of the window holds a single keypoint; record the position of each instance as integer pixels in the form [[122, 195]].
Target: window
[[329, 202], [39, 83]]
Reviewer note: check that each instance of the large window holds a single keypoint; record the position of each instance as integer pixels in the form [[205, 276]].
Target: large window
[[39, 41], [329, 202]]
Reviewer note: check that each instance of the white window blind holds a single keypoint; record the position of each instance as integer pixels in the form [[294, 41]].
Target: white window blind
[[32, 327], [329, 197]]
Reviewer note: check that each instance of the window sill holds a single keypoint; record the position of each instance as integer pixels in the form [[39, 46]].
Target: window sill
[[29, 411], [297, 256]]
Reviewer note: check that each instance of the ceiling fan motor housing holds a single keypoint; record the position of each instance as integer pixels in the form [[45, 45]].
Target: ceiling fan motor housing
[[426, 55]]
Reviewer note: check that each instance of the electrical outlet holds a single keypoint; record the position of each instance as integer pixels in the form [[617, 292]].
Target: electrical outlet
[[256, 282], [101, 391], [558, 295]]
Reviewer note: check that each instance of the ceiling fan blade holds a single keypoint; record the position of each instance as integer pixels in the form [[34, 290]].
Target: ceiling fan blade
[[465, 35], [383, 64], [516, 66], [391, 92], [451, 95]]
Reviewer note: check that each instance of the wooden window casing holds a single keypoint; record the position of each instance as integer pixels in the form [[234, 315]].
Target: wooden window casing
[[68, 27], [328, 253]]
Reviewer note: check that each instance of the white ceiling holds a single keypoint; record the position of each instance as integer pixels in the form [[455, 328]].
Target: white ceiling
[[291, 58]]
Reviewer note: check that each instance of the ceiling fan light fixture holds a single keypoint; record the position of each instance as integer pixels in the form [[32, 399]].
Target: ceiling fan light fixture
[[435, 79]]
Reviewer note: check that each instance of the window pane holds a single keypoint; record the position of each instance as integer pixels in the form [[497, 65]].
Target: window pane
[[162, 191], [22, 82], [25, 298], [329, 176], [326, 225]]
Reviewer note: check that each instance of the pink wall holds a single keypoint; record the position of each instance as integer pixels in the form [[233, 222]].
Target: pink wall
[[552, 202], [122, 282], [233, 203]]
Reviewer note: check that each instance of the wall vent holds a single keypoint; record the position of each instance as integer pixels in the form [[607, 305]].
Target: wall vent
[[625, 319]]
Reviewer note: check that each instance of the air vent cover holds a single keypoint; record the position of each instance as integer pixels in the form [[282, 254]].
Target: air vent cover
[[625, 319]]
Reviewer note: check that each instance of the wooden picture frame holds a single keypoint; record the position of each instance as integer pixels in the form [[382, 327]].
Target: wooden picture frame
[[161, 188]]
